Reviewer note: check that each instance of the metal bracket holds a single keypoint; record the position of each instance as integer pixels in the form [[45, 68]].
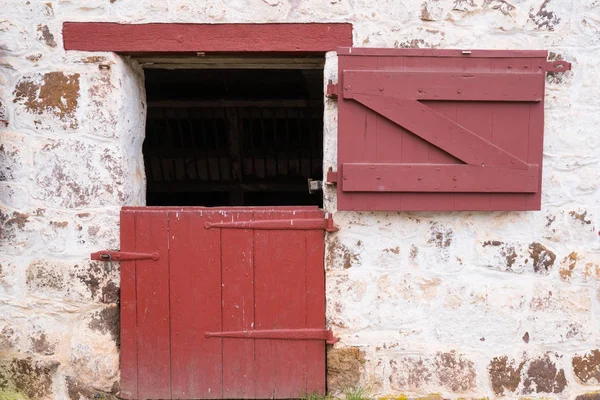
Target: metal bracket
[[332, 90], [557, 66], [332, 177], [314, 186], [111, 255], [278, 334]]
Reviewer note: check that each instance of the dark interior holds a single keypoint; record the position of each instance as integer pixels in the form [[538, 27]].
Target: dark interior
[[233, 137]]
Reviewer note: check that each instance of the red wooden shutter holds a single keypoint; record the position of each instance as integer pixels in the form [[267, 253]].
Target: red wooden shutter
[[440, 129], [222, 303]]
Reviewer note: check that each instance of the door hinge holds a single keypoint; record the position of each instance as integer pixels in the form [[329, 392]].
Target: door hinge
[[281, 334], [332, 177], [111, 255], [557, 66], [279, 224], [332, 90]]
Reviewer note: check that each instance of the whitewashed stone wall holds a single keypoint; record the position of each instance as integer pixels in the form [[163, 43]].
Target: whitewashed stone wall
[[442, 305]]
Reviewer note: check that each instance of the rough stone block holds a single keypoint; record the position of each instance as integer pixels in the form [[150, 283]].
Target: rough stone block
[[84, 281], [451, 371], [527, 374], [93, 353], [345, 367], [50, 99], [587, 367], [25, 378], [93, 179]]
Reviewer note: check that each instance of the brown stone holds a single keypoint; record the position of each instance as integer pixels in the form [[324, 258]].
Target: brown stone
[[41, 345], [337, 250], [27, 377], [544, 377], [455, 372], [106, 321], [410, 373], [77, 390], [344, 368], [504, 375], [57, 94], [589, 396], [46, 36], [110, 293], [587, 367], [543, 259]]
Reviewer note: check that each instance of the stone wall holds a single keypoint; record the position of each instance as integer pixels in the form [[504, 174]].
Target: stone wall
[[426, 304]]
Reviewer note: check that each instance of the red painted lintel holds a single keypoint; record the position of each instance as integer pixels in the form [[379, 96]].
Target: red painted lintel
[[179, 38]]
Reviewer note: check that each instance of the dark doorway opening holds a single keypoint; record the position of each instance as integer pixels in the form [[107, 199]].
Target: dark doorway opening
[[233, 136]]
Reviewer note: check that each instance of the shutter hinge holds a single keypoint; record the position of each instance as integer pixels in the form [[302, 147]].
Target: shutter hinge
[[111, 255], [332, 177], [332, 90], [557, 66]]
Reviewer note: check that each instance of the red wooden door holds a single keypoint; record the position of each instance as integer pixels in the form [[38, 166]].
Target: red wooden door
[[233, 308]]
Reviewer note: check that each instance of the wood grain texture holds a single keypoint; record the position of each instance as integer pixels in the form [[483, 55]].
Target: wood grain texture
[[438, 178], [172, 38], [440, 131], [195, 287], [222, 280], [237, 255], [391, 124], [465, 86], [128, 351], [152, 287]]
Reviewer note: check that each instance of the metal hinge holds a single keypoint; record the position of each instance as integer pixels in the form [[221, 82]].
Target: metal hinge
[[332, 90], [557, 66], [332, 177], [111, 255], [306, 224], [281, 334]]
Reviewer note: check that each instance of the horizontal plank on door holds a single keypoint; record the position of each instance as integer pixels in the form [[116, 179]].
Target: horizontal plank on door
[[361, 177], [459, 86]]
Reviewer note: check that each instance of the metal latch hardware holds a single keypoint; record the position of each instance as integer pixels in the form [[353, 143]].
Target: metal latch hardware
[[112, 255], [314, 186], [279, 224], [281, 334], [557, 66], [332, 177]]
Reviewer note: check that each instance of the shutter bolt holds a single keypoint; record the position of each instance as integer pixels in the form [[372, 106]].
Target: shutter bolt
[[381, 89], [459, 91], [419, 178]]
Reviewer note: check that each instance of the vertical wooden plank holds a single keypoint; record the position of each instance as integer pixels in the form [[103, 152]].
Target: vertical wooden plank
[[536, 148], [280, 271], [315, 307], [128, 351], [195, 288], [152, 286], [356, 124], [238, 306], [476, 116], [511, 131]]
